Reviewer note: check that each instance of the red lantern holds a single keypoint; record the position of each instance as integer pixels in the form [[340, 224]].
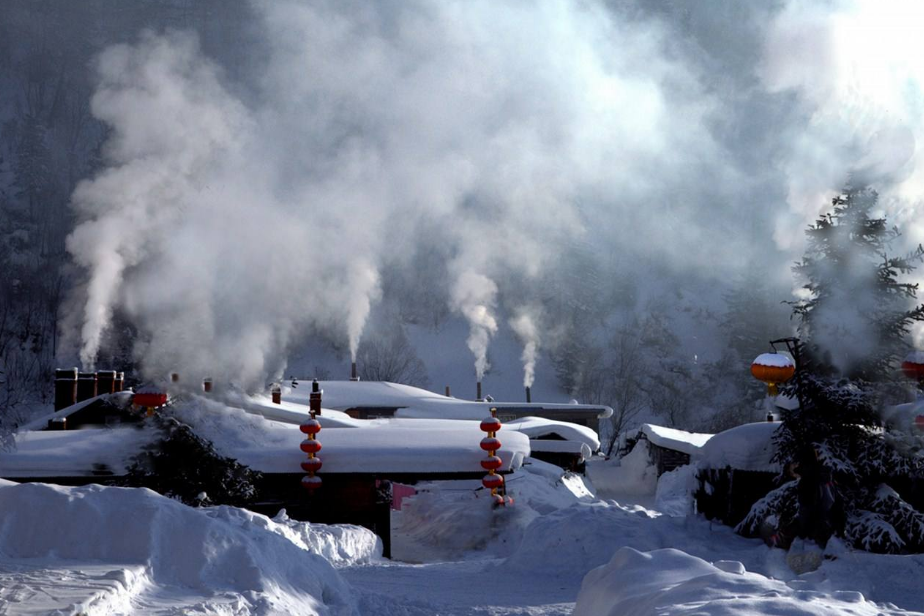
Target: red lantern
[[913, 366], [491, 424], [149, 399], [311, 426], [772, 369], [490, 444], [492, 482], [312, 482], [310, 446], [312, 465], [492, 463]]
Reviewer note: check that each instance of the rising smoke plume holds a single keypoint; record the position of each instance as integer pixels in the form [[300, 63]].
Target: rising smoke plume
[[524, 325], [237, 212], [475, 296]]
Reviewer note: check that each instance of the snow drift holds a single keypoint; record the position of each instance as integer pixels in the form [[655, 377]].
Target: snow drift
[[669, 581], [207, 555]]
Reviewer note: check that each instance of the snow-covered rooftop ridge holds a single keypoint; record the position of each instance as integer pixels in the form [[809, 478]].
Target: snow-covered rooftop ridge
[[537, 427], [371, 446], [671, 438], [748, 448], [416, 402], [774, 360], [40, 423]]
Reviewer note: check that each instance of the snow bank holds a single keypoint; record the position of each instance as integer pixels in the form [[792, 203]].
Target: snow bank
[[674, 496], [631, 475], [454, 520], [669, 581], [570, 542], [208, 556], [678, 440], [746, 448]]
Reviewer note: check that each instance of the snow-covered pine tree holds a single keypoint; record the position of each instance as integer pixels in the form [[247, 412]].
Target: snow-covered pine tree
[[854, 323]]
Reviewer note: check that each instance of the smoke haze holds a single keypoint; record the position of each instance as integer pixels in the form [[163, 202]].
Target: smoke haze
[[236, 213]]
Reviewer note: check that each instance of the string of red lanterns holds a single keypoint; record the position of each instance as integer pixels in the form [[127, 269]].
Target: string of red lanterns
[[311, 445], [490, 444]]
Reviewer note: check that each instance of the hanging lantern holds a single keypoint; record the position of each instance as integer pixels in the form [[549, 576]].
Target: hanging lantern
[[913, 366], [312, 482], [773, 369], [311, 426], [312, 465], [311, 446], [492, 481]]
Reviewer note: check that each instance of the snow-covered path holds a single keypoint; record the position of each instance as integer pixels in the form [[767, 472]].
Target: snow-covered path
[[458, 589]]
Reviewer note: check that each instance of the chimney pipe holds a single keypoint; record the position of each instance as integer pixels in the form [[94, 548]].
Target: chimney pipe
[[529, 397], [65, 387], [86, 386], [448, 394], [277, 394], [120, 382], [314, 398], [105, 382], [207, 384], [174, 377], [353, 375], [478, 395]]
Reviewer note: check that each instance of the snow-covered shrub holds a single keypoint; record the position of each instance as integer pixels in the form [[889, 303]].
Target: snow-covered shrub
[[184, 466], [871, 532], [781, 504], [907, 522]]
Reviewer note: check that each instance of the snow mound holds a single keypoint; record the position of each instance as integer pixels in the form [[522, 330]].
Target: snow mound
[[674, 496], [455, 520], [631, 475], [669, 581], [570, 542], [217, 554]]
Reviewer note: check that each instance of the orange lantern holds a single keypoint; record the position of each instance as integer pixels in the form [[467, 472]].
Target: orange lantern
[[773, 369]]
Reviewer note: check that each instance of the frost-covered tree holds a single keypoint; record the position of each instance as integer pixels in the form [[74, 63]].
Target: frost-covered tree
[[390, 357], [854, 321]]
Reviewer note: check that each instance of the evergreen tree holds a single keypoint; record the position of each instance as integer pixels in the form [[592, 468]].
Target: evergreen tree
[[854, 322]]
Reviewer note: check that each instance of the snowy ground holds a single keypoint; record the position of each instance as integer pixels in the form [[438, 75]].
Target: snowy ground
[[557, 550]]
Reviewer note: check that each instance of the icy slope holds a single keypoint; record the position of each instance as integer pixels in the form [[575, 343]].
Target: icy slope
[[151, 553]]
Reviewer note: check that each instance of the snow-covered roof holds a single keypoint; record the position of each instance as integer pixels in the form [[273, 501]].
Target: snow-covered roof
[[121, 398], [372, 446], [678, 440], [74, 453], [561, 447], [747, 448], [537, 427], [413, 402]]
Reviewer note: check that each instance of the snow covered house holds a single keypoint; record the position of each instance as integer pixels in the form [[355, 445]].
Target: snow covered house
[[562, 434], [736, 469], [245, 450], [670, 448]]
